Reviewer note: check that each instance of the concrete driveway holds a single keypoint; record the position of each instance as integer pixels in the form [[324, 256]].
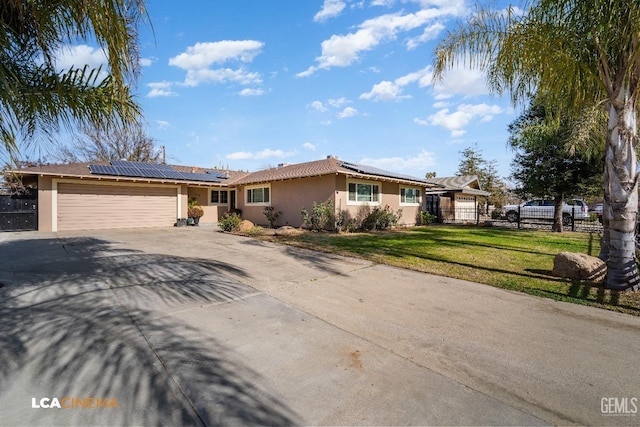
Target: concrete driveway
[[189, 326]]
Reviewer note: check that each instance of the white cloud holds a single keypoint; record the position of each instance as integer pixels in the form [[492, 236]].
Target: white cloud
[[309, 146], [461, 81], [343, 50], [221, 75], [457, 120], [347, 112], [337, 103], [318, 106], [330, 9], [421, 122], [147, 62], [430, 33], [198, 60], [260, 155], [251, 92], [419, 162], [203, 55], [386, 3], [78, 56], [160, 89], [163, 124], [392, 91]]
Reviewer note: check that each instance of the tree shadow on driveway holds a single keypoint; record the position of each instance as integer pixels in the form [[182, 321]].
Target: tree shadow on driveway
[[83, 318]]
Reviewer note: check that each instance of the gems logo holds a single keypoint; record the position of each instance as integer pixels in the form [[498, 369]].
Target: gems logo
[[73, 403]]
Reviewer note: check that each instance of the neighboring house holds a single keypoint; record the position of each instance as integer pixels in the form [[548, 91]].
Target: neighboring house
[[455, 199], [128, 194]]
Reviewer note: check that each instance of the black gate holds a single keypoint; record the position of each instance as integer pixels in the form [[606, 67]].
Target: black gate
[[19, 212]]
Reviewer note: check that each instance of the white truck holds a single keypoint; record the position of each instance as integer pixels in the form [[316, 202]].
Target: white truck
[[572, 209]]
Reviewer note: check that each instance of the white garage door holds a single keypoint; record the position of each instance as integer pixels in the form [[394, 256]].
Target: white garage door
[[465, 207], [86, 206]]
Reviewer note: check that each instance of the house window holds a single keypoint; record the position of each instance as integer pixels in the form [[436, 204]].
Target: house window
[[258, 195], [410, 196], [219, 197], [364, 193]]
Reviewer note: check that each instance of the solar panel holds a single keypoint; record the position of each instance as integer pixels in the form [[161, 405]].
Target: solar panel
[[370, 170], [152, 170], [102, 170], [218, 174], [204, 177], [140, 165]]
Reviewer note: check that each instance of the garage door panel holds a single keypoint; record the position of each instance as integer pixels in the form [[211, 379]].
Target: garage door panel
[[87, 206]]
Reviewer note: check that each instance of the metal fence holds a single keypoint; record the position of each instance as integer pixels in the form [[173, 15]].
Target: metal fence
[[574, 219]]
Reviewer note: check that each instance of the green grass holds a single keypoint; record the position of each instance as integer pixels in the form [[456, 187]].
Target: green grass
[[519, 260]]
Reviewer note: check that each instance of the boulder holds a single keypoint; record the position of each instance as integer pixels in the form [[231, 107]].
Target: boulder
[[579, 267], [245, 225]]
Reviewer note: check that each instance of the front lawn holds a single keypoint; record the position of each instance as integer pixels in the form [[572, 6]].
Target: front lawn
[[519, 260]]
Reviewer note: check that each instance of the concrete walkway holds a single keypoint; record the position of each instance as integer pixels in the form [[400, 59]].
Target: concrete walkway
[[189, 326]]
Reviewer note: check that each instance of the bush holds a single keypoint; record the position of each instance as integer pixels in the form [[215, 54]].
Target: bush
[[496, 214], [272, 215], [344, 222], [427, 218], [195, 211], [229, 222], [381, 219], [322, 216]]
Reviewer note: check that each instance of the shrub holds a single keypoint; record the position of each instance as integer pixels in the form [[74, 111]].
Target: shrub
[[381, 219], [272, 215], [427, 218], [195, 211], [344, 222], [496, 214], [229, 222], [322, 216]]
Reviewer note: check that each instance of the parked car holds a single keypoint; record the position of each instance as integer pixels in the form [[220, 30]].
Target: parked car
[[543, 209]]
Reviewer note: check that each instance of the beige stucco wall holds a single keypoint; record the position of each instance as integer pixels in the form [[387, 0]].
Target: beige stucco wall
[[290, 197], [212, 213], [45, 204], [390, 193]]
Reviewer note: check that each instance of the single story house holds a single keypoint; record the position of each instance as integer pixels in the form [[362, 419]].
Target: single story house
[[121, 194], [455, 199]]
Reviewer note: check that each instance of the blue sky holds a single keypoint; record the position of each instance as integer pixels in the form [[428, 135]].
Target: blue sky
[[253, 83]]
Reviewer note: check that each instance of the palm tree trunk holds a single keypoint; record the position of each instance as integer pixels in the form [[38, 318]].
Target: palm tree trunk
[[621, 195]]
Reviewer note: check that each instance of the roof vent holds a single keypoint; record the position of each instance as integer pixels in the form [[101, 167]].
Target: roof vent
[[281, 165], [332, 157]]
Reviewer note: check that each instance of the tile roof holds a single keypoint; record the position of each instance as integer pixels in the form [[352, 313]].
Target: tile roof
[[82, 170], [328, 166], [460, 184]]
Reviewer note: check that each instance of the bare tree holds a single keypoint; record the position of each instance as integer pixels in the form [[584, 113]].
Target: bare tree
[[96, 144]]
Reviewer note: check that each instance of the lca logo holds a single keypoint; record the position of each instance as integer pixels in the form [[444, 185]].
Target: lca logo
[[73, 403], [619, 406]]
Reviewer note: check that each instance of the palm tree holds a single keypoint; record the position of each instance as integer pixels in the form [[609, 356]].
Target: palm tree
[[578, 54], [38, 99]]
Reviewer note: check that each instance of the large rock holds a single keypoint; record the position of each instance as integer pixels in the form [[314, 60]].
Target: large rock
[[579, 267], [245, 225]]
